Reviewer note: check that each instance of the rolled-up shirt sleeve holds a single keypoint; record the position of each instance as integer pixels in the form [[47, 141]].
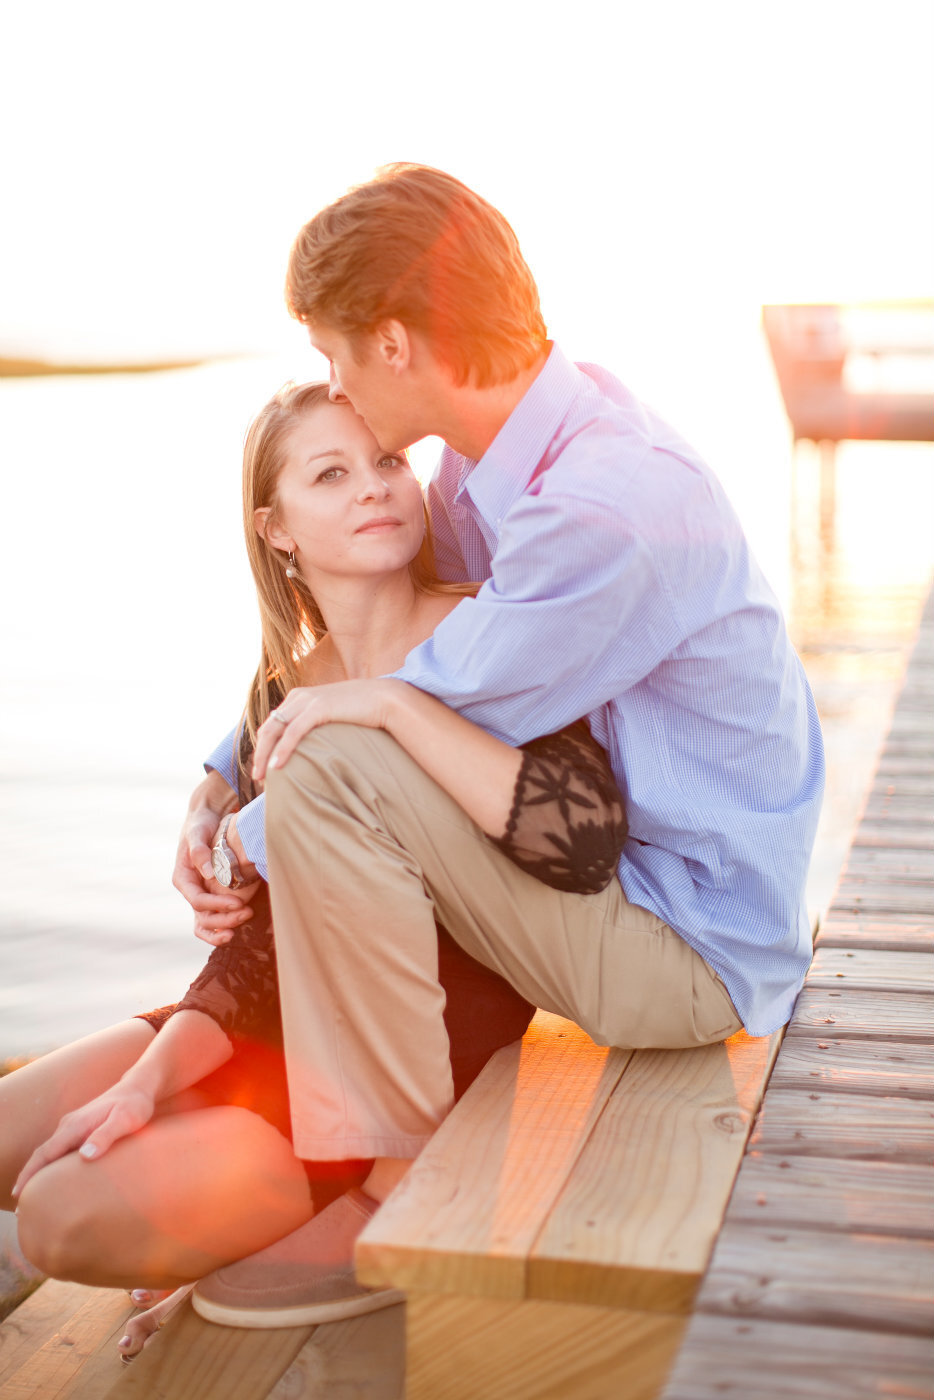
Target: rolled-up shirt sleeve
[[251, 819]]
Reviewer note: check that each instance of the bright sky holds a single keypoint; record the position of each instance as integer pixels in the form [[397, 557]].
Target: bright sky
[[664, 162]]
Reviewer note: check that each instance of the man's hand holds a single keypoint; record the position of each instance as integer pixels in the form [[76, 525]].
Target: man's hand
[[216, 910]]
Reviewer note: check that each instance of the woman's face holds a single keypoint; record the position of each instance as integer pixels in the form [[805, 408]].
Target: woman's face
[[344, 506]]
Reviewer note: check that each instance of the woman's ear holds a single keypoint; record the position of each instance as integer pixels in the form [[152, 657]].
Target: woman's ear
[[264, 523]]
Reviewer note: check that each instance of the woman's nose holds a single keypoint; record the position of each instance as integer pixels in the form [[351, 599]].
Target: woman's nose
[[375, 487]]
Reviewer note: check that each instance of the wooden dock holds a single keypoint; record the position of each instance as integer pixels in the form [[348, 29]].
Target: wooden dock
[[822, 1283]]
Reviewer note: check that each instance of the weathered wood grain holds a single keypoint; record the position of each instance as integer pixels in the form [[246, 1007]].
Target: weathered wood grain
[[880, 833], [469, 1211], [500, 1349], [191, 1359], [911, 782], [734, 1359], [897, 1016], [847, 931], [37, 1320], [857, 897], [828, 1193], [823, 1278], [360, 1359], [894, 762], [845, 1125], [635, 1223], [855, 1067], [909, 819], [890, 864], [849, 968], [68, 1340]]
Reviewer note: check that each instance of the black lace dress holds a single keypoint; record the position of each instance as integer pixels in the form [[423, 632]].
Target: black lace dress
[[566, 827]]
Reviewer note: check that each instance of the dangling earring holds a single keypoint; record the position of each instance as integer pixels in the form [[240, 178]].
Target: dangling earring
[[292, 570]]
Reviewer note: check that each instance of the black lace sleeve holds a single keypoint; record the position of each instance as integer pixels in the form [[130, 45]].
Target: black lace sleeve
[[567, 825], [238, 987]]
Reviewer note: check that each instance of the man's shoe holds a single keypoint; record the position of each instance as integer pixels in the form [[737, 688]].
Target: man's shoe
[[307, 1277]]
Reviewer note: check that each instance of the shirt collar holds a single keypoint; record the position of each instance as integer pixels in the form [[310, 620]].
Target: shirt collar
[[508, 465]]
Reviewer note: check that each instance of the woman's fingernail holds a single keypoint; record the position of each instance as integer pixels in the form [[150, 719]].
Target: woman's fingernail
[[88, 1150], [207, 870], [124, 1341], [140, 1296], [273, 762]]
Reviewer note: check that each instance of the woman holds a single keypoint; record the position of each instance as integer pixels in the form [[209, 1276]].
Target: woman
[[173, 1123]]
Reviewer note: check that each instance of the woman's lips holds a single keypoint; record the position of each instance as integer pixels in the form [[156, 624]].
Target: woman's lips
[[384, 522]]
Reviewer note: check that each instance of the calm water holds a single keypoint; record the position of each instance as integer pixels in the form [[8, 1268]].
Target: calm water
[[129, 633]]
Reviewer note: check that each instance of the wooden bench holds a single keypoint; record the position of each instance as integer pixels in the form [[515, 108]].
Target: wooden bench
[[552, 1237]]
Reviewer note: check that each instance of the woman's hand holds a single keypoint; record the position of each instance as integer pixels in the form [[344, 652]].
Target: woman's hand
[[92, 1129], [364, 702]]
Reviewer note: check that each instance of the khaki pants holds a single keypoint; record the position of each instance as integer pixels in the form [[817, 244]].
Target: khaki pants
[[364, 851]]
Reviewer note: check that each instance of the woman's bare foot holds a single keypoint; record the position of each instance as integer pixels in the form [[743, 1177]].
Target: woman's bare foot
[[143, 1327], [146, 1297]]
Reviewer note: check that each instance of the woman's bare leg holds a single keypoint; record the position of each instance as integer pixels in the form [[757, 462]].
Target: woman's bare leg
[[34, 1098], [188, 1193]]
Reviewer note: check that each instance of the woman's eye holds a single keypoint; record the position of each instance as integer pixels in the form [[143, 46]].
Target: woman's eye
[[331, 474], [391, 461]]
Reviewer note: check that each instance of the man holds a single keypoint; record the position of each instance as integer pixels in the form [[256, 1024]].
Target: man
[[617, 586]]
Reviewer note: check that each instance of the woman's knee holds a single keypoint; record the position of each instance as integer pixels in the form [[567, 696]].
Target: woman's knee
[[58, 1226]]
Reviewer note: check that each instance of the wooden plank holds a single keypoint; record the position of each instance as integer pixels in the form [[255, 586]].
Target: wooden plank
[[467, 1214], [842, 931], [900, 1016], [915, 859], [855, 898], [910, 783], [911, 722], [890, 864], [509, 1349], [38, 1319], [854, 1067], [824, 1278], [54, 1370], [911, 817], [888, 1198], [734, 1359], [910, 836], [906, 749], [845, 1125], [910, 789], [191, 1359], [885, 881], [896, 762], [636, 1222], [872, 968], [362, 1358]]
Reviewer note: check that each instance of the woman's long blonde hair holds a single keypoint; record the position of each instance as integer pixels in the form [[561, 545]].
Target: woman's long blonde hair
[[290, 618]]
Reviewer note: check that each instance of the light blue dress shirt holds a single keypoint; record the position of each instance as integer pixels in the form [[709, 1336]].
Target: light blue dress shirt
[[619, 586]]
